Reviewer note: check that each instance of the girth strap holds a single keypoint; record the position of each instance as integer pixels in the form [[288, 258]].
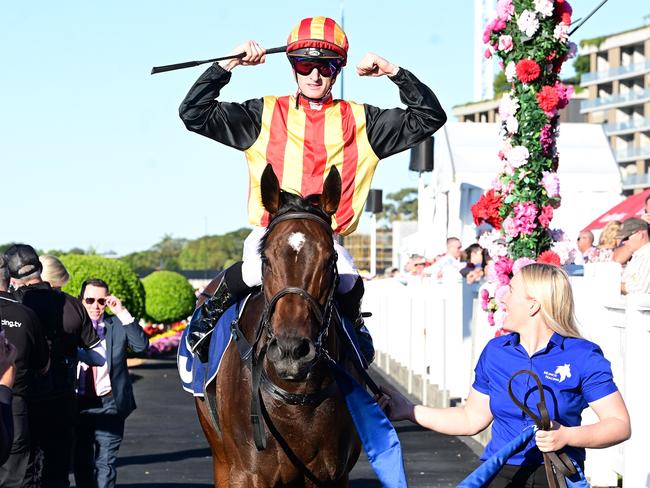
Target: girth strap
[[556, 463]]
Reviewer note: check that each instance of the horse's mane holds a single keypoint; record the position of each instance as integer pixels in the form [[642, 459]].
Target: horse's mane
[[293, 202]]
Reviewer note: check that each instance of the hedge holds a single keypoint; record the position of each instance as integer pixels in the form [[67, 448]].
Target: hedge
[[170, 297], [121, 279]]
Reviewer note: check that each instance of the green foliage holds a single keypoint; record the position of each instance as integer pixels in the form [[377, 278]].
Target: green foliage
[[163, 255], [400, 205], [500, 84], [170, 297], [121, 279], [213, 252]]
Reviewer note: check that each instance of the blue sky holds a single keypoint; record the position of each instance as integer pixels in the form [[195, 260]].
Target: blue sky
[[92, 152]]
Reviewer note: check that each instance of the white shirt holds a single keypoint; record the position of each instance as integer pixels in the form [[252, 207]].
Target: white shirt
[[636, 276]]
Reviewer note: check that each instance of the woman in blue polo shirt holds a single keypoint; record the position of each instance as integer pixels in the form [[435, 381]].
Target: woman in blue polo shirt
[[575, 374]]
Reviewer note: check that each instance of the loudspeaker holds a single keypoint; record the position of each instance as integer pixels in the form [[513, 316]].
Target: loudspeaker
[[374, 203], [422, 156]]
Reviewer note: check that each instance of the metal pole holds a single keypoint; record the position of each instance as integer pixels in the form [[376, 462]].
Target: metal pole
[[603, 2]]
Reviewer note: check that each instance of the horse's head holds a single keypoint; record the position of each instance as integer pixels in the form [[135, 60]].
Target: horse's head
[[298, 272]]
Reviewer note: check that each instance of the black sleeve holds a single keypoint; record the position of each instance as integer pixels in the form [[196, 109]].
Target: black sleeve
[[6, 424], [394, 130], [41, 351], [235, 124]]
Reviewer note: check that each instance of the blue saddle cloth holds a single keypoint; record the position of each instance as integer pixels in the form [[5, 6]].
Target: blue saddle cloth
[[378, 437]]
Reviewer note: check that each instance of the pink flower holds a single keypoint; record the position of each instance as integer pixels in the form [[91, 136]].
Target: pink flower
[[487, 33], [500, 292], [498, 25], [546, 137], [545, 216], [528, 23], [509, 227], [505, 43], [561, 32], [488, 53], [507, 106], [505, 9], [503, 270], [525, 214], [485, 298], [551, 184], [490, 318], [520, 263], [564, 94]]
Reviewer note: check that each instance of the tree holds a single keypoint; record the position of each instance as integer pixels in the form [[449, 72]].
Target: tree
[[501, 84], [170, 297], [213, 252], [400, 205]]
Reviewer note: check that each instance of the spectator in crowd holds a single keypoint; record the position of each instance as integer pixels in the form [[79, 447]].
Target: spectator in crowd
[[474, 260], [543, 335], [646, 211], [53, 409], [634, 236], [448, 262], [25, 332], [415, 265], [7, 376], [607, 242], [53, 271], [588, 251], [105, 394]]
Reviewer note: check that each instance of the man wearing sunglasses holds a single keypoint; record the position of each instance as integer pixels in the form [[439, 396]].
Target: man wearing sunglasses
[[302, 136], [105, 394]]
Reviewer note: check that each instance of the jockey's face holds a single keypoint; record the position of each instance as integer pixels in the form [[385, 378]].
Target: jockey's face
[[314, 85]]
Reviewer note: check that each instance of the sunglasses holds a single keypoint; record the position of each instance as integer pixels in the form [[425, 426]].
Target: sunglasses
[[326, 67], [91, 300]]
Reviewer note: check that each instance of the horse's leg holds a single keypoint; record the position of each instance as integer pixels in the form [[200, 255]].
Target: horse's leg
[[219, 466]]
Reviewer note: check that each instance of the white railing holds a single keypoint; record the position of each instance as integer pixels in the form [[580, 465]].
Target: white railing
[[428, 337]]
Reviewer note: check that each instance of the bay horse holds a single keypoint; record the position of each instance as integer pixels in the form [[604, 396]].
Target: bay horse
[[309, 436]]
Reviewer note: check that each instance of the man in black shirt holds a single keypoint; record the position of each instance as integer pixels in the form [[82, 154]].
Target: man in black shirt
[[22, 329], [67, 326]]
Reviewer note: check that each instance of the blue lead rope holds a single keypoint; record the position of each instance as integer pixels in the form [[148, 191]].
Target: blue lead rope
[[377, 434]]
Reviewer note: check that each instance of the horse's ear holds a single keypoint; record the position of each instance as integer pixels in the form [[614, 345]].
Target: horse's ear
[[270, 188], [331, 196]]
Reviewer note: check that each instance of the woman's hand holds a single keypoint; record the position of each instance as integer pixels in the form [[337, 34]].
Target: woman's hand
[[554, 439], [396, 405]]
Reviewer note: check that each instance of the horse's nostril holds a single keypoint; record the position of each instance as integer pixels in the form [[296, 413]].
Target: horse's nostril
[[302, 349]]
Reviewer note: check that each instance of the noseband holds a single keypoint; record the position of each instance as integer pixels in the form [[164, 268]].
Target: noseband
[[323, 315]]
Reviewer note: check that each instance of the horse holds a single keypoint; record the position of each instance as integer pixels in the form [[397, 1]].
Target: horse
[[305, 435]]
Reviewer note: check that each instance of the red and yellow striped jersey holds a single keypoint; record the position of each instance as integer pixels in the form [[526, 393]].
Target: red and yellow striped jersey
[[302, 144]]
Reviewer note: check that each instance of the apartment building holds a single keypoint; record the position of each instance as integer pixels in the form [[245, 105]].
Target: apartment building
[[358, 245], [618, 87]]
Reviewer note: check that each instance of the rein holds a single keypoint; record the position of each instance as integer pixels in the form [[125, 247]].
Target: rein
[[557, 464]]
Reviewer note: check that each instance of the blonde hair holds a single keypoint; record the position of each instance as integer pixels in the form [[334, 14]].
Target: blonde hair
[[608, 236], [549, 285], [53, 271]]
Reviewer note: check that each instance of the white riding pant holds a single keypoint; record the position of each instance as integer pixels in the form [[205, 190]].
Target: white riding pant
[[252, 267]]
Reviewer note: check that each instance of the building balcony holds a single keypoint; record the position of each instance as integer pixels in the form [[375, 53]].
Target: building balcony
[[620, 128], [621, 72], [633, 182], [632, 154], [615, 101]]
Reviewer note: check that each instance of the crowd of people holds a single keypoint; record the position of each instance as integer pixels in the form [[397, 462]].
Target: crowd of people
[[65, 390]]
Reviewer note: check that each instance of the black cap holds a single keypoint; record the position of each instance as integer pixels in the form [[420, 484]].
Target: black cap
[[22, 261]]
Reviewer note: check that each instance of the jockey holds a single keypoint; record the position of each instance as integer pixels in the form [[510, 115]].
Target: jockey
[[302, 136]]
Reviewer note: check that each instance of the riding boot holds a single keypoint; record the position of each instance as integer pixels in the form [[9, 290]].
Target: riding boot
[[229, 291], [350, 306]]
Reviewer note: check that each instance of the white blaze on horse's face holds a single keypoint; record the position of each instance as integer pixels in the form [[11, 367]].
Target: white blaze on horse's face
[[296, 241]]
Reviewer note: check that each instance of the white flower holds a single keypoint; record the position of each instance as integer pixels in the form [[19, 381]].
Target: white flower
[[494, 243], [508, 106], [566, 251], [518, 156], [512, 125], [544, 7], [528, 23], [511, 71], [561, 32]]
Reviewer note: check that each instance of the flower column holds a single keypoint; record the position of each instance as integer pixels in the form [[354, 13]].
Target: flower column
[[531, 39]]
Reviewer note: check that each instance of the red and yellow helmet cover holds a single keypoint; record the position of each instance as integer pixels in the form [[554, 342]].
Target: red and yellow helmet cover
[[321, 33]]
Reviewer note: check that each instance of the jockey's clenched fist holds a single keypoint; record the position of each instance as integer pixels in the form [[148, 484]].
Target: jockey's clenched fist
[[373, 65]]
